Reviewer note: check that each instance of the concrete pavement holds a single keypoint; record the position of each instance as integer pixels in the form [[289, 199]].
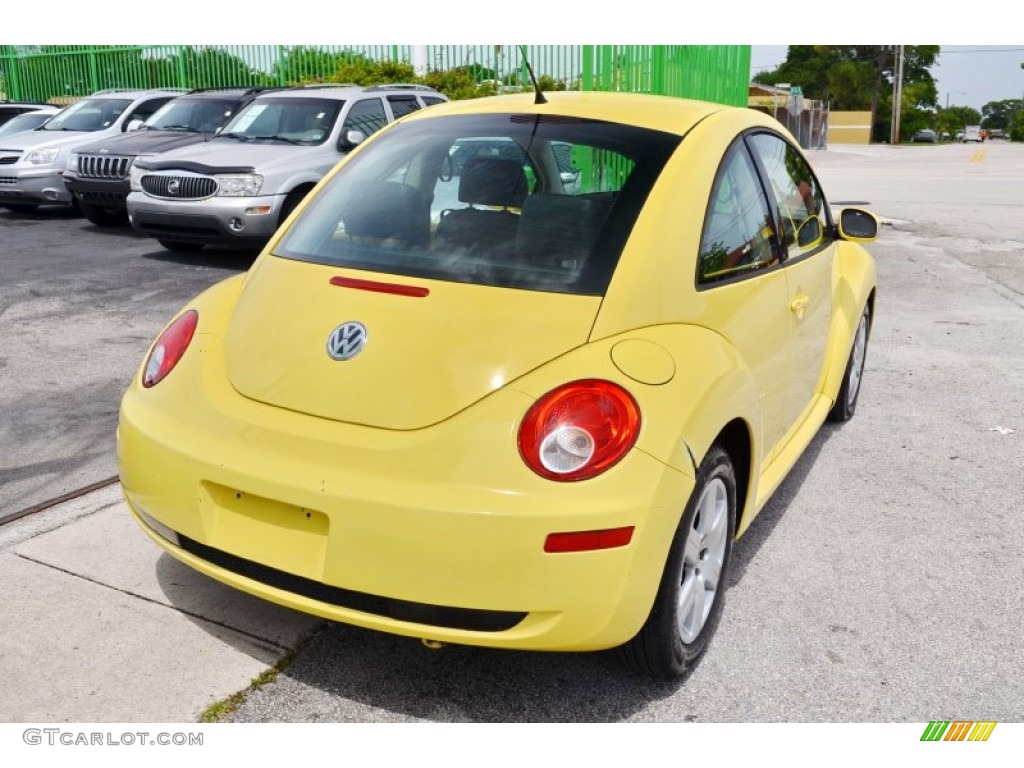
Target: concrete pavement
[[99, 625]]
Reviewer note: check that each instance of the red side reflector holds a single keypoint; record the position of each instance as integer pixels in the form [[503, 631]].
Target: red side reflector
[[372, 285], [585, 541]]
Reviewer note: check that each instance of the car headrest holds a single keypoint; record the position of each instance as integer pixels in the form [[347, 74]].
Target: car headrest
[[492, 181], [386, 209]]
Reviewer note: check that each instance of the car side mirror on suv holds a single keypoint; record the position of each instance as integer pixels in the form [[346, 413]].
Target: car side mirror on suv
[[135, 125], [350, 140]]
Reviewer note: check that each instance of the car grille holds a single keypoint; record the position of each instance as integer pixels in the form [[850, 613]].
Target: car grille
[[9, 160], [8, 179], [104, 166], [180, 187]]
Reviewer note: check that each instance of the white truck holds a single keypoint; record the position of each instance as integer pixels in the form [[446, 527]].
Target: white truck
[[972, 133]]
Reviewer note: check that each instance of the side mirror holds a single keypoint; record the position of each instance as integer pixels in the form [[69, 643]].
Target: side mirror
[[857, 225], [350, 140], [810, 232], [134, 125]]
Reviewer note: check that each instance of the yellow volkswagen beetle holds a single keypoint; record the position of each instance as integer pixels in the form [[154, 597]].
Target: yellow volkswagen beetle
[[514, 375]]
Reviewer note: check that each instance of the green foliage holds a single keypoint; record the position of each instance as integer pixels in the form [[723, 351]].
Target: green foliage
[[860, 77], [1016, 127], [999, 114], [460, 83]]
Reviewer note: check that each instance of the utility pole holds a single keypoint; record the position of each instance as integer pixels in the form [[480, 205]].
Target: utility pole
[[897, 97]]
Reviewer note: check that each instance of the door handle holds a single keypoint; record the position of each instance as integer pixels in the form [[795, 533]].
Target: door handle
[[799, 304]]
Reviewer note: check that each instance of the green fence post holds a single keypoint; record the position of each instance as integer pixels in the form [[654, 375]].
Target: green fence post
[[94, 71], [658, 69], [13, 78], [182, 77], [587, 78]]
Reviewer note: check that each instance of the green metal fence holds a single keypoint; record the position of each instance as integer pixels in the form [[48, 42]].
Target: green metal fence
[[60, 74]]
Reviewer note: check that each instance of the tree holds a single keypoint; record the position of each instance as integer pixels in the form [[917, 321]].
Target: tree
[[998, 114], [954, 119], [860, 77]]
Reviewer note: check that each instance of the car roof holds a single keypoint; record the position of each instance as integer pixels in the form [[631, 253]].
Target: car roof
[[36, 106], [118, 93], [661, 113], [227, 93], [342, 91]]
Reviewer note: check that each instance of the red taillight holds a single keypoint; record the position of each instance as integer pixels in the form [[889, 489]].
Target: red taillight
[[579, 430], [169, 348]]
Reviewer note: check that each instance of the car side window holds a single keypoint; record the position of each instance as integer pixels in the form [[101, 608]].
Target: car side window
[[366, 115], [145, 110], [403, 105], [739, 235], [801, 205]]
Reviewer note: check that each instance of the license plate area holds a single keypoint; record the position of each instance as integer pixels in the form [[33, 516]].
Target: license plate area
[[283, 536]]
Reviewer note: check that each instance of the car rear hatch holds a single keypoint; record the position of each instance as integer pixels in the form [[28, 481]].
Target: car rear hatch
[[432, 347]]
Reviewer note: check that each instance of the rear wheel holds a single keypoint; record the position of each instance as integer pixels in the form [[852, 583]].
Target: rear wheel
[[690, 597], [178, 246], [104, 217], [846, 401]]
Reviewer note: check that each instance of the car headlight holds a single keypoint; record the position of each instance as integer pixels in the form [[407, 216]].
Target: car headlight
[[243, 185], [72, 164], [44, 156], [135, 179]]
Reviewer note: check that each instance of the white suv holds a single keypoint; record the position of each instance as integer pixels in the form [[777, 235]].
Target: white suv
[[32, 163], [239, 186]]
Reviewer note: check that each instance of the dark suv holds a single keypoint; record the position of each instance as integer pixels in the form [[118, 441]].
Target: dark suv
[[97, 174]]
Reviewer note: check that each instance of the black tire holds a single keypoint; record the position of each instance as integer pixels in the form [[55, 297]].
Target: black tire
[[846, 401], [180, 247], [104, 217], [21, 207], [671, 640], [295, 197]]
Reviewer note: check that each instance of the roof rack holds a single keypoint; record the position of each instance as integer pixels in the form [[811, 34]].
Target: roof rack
[[325, 85], [107, 91], [400, 87], [19, 101], [244, 90]]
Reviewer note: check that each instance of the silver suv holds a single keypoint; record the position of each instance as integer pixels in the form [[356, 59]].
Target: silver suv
[[238, 187], [32, 162]]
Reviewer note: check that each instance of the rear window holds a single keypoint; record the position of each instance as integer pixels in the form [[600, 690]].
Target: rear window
[[521, 201]]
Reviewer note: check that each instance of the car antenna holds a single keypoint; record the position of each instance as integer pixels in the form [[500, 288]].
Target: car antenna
[[536, 86]]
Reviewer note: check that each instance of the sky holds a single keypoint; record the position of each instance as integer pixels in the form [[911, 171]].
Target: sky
[[983, 66], [965, 75]]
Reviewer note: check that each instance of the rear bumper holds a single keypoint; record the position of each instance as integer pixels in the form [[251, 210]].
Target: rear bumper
[[429, 533]]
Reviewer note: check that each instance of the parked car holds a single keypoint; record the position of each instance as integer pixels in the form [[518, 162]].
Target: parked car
[[97, 173], [11, 109], [527, 413], [34, 161], [26, 121], [926, 135], [237, 188]]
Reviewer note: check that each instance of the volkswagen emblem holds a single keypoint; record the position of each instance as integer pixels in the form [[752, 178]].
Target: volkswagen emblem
[[346, 341], [172, 186]]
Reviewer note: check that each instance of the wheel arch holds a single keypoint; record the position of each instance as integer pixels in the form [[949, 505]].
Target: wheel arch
[[854, 286], [737, 441]]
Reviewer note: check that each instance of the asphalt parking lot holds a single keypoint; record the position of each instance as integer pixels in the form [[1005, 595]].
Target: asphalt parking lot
[[882, 582]]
